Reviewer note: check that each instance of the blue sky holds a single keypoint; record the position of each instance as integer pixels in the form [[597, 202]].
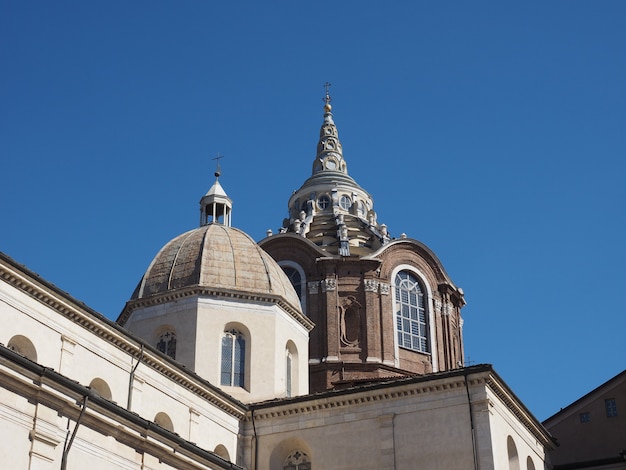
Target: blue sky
[[491, 131]]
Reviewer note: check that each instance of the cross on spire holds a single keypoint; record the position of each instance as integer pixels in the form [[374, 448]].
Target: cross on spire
[[327, 98], [218, 170]]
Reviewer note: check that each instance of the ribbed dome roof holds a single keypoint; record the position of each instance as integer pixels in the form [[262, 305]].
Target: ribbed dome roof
[[218, 257]]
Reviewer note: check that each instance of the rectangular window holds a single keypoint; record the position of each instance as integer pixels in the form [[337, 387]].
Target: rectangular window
[[585, 417], [611, 407]]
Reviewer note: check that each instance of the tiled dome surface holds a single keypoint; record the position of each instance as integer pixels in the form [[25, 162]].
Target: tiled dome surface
[[215, 256]]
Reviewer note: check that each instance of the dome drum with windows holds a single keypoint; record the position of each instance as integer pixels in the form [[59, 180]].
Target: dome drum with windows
[[213, 291], [386, 307]]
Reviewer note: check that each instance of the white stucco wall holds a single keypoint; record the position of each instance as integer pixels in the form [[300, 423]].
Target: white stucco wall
[[66, 346], [200, 322], [425, 424]]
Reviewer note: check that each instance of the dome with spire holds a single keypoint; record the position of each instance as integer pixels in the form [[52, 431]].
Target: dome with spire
[[330, 209], [215, 259]]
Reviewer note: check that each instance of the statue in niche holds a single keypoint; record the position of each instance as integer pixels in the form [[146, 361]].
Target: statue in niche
[[344, 241], [350, 322]]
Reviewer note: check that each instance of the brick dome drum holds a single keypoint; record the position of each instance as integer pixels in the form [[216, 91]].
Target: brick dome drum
[[219, 258]]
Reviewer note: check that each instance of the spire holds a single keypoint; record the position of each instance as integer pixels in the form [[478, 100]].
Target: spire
[[215, 205], [329, 152]]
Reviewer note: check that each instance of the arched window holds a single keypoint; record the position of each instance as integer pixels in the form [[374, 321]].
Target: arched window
[[292, 373], [222, 452], [512, 453], [297, 460], [289, 374], [163, 420], [296, 276], [167, 343], [22, 345], [101, 388], [295, 279], [411, 313], [233, 359], [530, 464]]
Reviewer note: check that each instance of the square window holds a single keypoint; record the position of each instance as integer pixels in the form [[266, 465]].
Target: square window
[[611, 407], [585, 417]]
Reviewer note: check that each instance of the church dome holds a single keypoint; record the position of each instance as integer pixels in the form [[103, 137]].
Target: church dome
[[219, 259]]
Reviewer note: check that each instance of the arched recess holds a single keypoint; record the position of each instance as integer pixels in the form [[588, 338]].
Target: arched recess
[[222, 452], [350, 322], [292, 454], [165, 340], [428, 306], [511, 450], [530, 465], [292, 370], [235, 356], [163, 420], [24, 346], [101, 388], [296, 276]]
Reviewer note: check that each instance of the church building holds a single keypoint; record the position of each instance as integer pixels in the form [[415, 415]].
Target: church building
[[328, 345]]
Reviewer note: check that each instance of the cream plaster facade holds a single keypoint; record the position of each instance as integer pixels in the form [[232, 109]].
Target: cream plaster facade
[[404, 424], [199, 323], [42, 395]]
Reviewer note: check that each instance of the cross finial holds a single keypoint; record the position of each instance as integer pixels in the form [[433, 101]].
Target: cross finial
[[218, 170], [327, 98]]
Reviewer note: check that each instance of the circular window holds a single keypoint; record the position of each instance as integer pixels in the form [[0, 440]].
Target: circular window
[[345, 202], [323, 202]]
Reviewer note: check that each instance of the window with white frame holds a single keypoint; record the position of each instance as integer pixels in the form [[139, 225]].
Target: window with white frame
[[411, 313], [233, 359]]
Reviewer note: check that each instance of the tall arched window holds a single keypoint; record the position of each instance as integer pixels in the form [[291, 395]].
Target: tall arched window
[[167, 344], [296, 276], [288, 379], [512, 452], [295, 279], [411, 313], [233, 359]]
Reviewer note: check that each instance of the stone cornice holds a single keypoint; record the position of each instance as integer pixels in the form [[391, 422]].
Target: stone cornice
[[481, 375], [357, 396], [21, 279], [515, 406], [185, 292]]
